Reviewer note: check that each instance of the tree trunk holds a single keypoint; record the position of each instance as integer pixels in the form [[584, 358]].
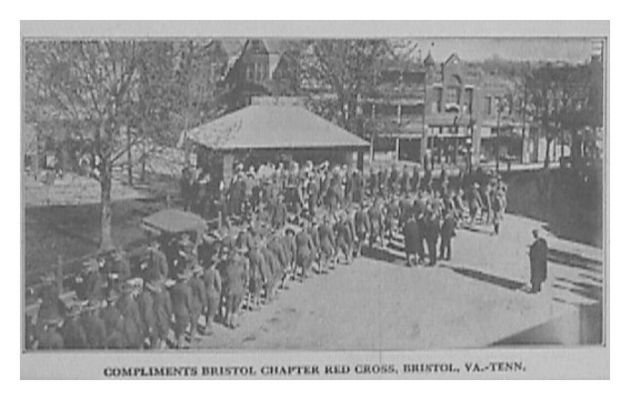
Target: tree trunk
[[547, 148], [129, 158], [106, 205]]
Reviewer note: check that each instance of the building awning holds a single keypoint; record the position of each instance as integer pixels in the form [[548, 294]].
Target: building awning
[[272, 126]]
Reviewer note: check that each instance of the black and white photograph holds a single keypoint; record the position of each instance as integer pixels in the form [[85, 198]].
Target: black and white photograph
[[229, 194]]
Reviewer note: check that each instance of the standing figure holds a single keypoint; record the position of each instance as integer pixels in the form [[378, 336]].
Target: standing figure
[[447, 231], [432, 226], [375, 215], [199, 301], [361, 226], [411, 233], [163, 313], [181, 296], [537, 262]]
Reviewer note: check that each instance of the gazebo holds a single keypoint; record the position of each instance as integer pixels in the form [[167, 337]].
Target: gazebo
[[264, 131]]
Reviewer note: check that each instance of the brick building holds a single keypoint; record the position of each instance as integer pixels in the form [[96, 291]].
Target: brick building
[[444, 113]]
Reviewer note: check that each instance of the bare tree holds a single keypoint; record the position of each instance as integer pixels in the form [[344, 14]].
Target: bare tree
[[90, 83]]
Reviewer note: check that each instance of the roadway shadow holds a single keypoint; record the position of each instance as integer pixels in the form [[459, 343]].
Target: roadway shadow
[[505, 283], [476, 229], [584, 289], [574, 260], [379, 254]]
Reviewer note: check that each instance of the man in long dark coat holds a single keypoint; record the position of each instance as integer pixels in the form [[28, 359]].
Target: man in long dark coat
[[411, 234], [537, 262]]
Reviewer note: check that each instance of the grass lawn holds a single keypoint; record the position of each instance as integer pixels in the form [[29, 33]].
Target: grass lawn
[[74, 232]]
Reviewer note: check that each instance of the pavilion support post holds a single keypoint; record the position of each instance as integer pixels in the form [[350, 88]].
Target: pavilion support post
[[360, 155], [397, 149]]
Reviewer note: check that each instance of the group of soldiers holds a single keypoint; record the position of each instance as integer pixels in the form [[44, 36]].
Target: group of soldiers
[[277, 225]]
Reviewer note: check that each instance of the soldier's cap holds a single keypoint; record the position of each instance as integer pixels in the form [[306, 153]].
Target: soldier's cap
[[152, 286], [48, 277], [183, 275], [113, 295], [291, 230], [169, 283], [197, 269], [74, 310], [53, 321], [107, 250], [90, 264]]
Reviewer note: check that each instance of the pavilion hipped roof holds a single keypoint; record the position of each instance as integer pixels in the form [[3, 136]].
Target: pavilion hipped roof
[[269, 126]]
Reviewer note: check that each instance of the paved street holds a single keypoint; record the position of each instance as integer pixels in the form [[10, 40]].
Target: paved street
[[477, 299]]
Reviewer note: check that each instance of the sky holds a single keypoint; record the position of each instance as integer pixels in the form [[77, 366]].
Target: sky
[[530, 49]]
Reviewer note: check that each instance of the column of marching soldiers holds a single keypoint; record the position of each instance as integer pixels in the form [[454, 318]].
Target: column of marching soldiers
[[279, 225]]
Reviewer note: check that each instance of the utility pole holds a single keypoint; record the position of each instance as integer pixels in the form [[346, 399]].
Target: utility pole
[[498, 133]]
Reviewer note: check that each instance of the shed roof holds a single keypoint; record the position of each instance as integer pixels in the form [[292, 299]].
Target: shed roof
[[272, 126]]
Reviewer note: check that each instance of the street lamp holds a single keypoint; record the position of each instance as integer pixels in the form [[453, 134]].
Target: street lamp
[[469, 143]]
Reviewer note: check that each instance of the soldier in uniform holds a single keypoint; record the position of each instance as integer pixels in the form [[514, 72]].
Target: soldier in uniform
[[447, 231], [94, 326], [50, 338], [362, 226], [50, 308], [327, 243], [375, 215], [74, 336], [236, 276], [278, 250], [114, 324], [392, 182], [344, 236], [90, 284], [155, 261], [404, 181], [256, 275], [392, 213], [199, 299], [305, 250], [163, 312], [373, 182], [269, 271], [181, 297], [133, 327], [212, 283], [414, 182], [314, 234], [432, 226], [146, 305]]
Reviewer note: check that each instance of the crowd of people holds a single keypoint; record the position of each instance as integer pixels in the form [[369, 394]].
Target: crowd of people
[[278, 224]]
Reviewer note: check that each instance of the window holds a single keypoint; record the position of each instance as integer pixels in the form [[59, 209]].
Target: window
[[413, 77], [468, 100], [453, 94], [249, 72], [438, 99], [487, 105], [387, 110], [411, 111], [390, 76]]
